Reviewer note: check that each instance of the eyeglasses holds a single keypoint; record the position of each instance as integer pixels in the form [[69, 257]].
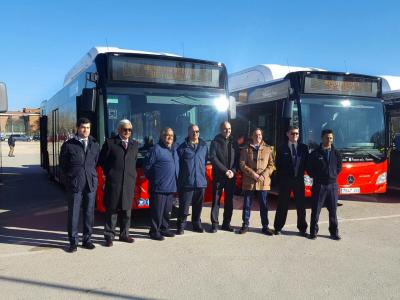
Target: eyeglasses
[[294, 133], [127, 129], [196, 131]]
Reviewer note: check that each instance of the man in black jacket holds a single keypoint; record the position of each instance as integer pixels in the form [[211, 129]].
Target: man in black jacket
[[325, 164], [11, 144], [291, 161], [224, 156], [78, 159], [118, 160]]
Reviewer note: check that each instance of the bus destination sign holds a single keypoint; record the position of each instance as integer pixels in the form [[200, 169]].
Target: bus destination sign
[[340, 85], [165, 71]]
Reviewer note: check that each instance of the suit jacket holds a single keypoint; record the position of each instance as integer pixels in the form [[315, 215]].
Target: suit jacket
[[79, 167], [321, 170], [284, 162], [119, 167], [224, 156]]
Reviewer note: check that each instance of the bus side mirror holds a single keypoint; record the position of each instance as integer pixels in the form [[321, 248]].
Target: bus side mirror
[[3, 98], [232, 107], [87, 101], [288, 109]]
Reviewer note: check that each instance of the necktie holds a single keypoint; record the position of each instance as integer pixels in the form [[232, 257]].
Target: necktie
[[294, 158], [84, 142], [125, 144]]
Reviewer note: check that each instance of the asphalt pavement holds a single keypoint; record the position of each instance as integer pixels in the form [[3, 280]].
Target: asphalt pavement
[[365, 264]]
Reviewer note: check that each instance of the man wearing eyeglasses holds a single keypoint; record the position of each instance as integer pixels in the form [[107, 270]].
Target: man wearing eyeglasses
[[192, 181], [291, 162], [161, 168], [118, 160]]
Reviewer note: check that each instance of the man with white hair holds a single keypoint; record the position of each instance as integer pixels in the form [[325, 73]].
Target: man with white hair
[[118, 161]]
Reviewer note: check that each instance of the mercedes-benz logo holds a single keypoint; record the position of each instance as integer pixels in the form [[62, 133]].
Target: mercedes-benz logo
[[350, 179]]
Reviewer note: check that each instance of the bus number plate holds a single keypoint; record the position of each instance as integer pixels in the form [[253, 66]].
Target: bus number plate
[[350, 190]]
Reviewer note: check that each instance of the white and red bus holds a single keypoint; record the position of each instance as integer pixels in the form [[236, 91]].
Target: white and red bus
[[152, 90], [273, 97]]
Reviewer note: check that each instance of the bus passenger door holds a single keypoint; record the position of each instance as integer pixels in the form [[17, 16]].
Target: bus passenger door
[[55, 143]]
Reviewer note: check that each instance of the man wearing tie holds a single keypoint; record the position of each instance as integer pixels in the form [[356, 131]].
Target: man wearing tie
[[291, 161], [118, 160], [78, 159]]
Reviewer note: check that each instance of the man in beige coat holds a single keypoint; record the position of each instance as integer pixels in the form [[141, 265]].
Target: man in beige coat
[[257, 165]]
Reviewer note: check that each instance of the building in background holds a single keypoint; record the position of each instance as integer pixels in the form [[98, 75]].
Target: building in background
[[20, 122]]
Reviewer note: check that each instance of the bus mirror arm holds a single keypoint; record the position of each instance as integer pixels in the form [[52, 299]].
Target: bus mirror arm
[[232, 107], [3, 98], [87, 101]]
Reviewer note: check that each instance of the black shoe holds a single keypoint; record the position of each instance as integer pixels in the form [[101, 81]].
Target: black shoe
[[336, 237], [277, 232], [267, 231], [214, 228], [180, 231], [157, 237], [339, 204], [226, 227], [243, 230], [71, 248], [109, 243], [198, 229], [167, 233], [312, 236], [88, 245], [303, 233], [126, 239]]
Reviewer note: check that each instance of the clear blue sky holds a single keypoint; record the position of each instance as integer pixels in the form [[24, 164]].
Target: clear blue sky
[[41, 40]]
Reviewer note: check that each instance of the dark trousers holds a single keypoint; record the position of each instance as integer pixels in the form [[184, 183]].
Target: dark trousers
[[262, 197], [297, 186], [324, 195], [228, 187], [112, 217], [86, 200], [160, 212], [195, 198]]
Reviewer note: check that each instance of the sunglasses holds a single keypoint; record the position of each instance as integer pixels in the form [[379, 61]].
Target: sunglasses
[[127, 129], [294, 133], [196, 131]]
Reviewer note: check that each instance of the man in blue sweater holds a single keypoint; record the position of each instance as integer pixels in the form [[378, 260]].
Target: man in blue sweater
[[162, 170], [192, 181]]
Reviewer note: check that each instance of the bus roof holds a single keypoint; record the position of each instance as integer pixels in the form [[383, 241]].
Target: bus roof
[[390, 87], [262, 74], [89, 57]]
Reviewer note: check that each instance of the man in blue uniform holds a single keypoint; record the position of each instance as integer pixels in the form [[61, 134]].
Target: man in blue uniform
[[325, 164], [78, 160], [192, 181], [162, 170]]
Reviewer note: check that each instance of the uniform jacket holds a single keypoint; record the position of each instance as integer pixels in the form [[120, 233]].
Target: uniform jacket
[[284, 162], [192, 165], [262, 164], [119, 167], [320, 170], [224, 156], [11, 141], [79, 167], [161, 168]]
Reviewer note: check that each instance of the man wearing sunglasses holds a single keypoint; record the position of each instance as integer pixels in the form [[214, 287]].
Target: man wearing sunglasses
[[118, 160], [291, 162], [192, 181]]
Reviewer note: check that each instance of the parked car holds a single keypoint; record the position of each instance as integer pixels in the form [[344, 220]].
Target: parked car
[[2, 138], [22, 137], [36, 137]]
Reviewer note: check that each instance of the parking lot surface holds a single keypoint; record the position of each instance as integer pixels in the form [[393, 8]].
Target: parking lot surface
[[365, 264]]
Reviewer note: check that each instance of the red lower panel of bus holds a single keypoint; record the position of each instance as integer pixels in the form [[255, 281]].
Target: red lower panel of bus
[[141, 196]]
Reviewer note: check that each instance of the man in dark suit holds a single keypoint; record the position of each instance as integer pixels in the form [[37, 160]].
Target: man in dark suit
[[78, 159], [162, 170], [118, 160], [324, 166], [224, 156], [291, 161]]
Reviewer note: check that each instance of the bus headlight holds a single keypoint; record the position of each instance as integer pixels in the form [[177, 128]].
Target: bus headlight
[[221, 103], [381, 178], [308, 181]]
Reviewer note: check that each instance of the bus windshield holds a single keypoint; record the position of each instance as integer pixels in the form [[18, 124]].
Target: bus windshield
[[357, 124], [150, 112]]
